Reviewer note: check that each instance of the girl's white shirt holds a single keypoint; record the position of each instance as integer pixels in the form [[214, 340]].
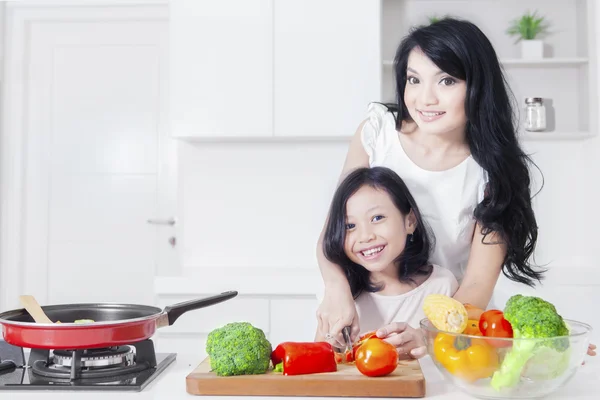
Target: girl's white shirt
[[376, 310], [446, 199]]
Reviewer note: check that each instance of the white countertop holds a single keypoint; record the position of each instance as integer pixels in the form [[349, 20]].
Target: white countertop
[[170, 385]]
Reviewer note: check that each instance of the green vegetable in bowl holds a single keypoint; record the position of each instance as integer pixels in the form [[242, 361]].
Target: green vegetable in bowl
[[83, 321], [238, 348], [533, 318]]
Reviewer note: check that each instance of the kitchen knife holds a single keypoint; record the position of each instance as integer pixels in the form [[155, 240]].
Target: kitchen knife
[[348, 342]]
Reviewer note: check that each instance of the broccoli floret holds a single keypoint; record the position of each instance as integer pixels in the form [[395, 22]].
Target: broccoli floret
[[533, 318], [238, 348]]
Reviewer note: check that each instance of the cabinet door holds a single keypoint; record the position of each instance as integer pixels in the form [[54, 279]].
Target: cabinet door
[[221, 68], [327, 65]]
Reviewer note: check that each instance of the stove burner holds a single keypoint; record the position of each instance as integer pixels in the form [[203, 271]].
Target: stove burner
[[97, 358], [59, 372], [63, 370], [93, 363]]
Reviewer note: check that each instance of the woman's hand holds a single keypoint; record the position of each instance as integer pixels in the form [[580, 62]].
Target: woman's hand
[[406, 339], [337, 311], [591, 350]]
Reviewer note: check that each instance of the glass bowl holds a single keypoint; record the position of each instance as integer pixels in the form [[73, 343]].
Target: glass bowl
[[494, 368]]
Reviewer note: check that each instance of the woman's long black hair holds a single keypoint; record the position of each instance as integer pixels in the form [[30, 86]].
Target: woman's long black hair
[[414, 260], [461, 49]]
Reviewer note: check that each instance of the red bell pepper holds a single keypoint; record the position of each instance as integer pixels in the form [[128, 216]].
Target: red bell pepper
[[299, 358]]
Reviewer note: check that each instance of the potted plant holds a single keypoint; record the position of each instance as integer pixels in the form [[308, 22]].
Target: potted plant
[[527, 29], [434, 18]]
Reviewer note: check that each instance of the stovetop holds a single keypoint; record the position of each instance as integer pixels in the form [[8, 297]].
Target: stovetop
[[122, 368]]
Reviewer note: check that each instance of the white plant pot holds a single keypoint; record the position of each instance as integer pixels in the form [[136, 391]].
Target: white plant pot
[[532, 49]]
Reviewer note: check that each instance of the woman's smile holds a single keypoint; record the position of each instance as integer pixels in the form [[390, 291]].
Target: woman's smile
[[430, 116]]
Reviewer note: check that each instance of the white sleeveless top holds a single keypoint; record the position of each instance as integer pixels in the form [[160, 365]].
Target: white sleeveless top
[[446, 199]]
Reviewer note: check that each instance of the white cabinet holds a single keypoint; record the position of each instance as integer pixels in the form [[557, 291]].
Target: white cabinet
[[221, 68], [272, 68], [327, 65]]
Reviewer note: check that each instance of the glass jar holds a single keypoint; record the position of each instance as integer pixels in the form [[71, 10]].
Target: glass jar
[[535, 114]]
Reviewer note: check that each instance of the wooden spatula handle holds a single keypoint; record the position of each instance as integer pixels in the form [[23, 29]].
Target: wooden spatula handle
[[34, 309]]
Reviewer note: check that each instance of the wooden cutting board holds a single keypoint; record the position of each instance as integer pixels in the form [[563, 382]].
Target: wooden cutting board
[[406, 381]]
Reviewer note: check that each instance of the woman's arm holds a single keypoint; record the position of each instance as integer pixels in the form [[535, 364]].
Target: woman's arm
[[483, 269], [337, 309]]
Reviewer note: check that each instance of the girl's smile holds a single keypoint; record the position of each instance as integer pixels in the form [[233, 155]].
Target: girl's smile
[[371, 253]]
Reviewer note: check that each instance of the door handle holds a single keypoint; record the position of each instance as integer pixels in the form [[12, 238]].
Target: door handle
[[169, 221]]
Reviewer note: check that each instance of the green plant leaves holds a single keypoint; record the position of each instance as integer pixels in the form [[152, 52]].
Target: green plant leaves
[[528, 27]]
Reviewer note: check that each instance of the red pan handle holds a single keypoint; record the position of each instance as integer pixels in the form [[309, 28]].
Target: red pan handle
[[175, 311]]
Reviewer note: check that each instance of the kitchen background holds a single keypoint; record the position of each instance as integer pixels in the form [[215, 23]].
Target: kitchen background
[[225, 123]]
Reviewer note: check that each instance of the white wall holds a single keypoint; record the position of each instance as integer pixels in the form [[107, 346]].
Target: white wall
[[275, 196]]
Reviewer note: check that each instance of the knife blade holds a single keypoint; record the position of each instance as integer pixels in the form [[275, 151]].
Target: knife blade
[[348, 342]]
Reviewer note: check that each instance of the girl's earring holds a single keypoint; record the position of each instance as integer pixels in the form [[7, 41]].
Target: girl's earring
[[412, 237]]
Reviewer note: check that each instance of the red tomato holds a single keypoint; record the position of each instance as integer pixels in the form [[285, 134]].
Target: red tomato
[[367, 335], [360, 341], [347, 357], [473, 328], [376, 357], [493, 324]]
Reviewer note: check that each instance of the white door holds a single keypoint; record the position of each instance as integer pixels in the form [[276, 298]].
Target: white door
[[97, 158]]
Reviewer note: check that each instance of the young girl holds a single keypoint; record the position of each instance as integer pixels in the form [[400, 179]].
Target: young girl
[[451, 135], [375, 232]]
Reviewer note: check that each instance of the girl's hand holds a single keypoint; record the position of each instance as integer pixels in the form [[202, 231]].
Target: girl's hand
[[337, 311], [591, 350], [406, 339]]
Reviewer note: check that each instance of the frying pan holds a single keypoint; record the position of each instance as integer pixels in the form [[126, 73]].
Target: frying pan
[[115, 324]]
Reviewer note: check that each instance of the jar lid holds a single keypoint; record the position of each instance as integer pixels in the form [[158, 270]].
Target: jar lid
[[533, 100]]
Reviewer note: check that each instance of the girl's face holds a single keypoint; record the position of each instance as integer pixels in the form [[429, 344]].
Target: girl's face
[[435, 100], [376, 231]]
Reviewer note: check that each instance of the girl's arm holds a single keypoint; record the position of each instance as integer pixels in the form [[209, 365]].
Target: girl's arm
[[483, 269], [337, 310]]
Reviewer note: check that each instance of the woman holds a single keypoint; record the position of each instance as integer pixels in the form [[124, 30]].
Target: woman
[[452, 138]]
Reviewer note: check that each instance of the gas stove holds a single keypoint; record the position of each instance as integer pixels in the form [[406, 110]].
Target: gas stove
[[120, 368]]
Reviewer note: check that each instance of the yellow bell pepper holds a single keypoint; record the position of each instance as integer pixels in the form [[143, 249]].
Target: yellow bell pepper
[[465, 358]]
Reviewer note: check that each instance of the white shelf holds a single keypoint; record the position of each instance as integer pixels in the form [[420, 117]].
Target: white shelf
[[545, 62], [555, 136], [247, 280], [524, 136], [262, 139]]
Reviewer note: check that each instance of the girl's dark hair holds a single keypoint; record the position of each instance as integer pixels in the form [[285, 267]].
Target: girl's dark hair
[[415, 257], [461, 49]]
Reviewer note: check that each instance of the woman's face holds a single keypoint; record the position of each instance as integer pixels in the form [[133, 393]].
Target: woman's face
[[376, 230], [435, 100]]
